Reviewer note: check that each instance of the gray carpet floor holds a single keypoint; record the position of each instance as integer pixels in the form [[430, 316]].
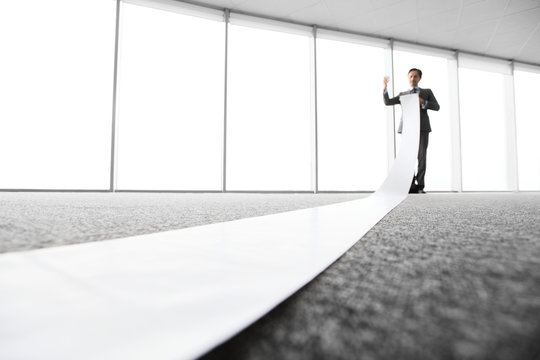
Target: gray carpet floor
[[38, 220], [443, 276]]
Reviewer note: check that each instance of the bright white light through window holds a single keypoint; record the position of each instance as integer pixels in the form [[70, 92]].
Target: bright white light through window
[[170, 101], [56, 87], [484, 130], [268, 121], [351, 116], [528, 128]]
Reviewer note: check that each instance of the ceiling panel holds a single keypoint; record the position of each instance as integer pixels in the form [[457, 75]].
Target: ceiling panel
[[470, 2], [505, 44], [531, 50], [380, 4], [278, 8], [520, 24], [406, 31], [342, 9], [480, 12], [360, 23], [427, 8], [522, 5], [444, 22], [475, 38], [403, 12], [314, 14]]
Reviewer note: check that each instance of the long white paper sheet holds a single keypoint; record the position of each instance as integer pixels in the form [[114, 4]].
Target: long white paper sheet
[[178, 294]]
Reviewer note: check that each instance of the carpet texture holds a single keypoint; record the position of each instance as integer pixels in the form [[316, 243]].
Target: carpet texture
[[38, 220], [442, 276]]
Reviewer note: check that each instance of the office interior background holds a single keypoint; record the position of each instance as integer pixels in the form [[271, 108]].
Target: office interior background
[[106, 96], [168, 96]]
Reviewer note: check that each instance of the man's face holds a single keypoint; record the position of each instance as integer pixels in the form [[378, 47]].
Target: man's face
[[414, 78]]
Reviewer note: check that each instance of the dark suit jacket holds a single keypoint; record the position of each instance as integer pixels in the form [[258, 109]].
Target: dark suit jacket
[[425, 94]]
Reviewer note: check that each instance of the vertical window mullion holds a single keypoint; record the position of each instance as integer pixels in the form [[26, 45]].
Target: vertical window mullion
[[512, 133], [314, 117], [455, 123], [226, 16], [113, 173]]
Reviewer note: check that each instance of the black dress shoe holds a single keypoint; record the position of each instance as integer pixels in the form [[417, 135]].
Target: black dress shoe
[[421, 191]]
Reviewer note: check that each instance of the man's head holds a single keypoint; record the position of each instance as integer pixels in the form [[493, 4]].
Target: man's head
[[414, 77]]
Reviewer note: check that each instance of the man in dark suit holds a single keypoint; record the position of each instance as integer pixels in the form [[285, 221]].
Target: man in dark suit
[[427, 102]]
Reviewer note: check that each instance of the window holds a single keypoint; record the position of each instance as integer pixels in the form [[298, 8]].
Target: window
[[486, 128], [352, 128], [170, 100], [56, 91], [269, 110], [528, 128]]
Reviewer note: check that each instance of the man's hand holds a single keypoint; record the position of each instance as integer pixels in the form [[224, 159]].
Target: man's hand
[[421, 100], [385, 82]]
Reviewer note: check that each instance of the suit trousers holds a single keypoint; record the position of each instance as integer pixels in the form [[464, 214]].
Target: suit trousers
[[422, 154]]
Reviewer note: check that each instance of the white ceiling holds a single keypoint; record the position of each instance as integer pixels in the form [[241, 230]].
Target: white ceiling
[[508, 29]]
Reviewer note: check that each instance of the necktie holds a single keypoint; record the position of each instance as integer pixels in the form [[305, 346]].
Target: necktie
[[414, 91]]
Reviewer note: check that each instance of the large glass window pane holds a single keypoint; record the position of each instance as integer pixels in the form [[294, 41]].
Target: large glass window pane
[[268, 120], [435, 77], [484, 130], [56, 72], [351, 116], [527, 94], [170, 101]]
